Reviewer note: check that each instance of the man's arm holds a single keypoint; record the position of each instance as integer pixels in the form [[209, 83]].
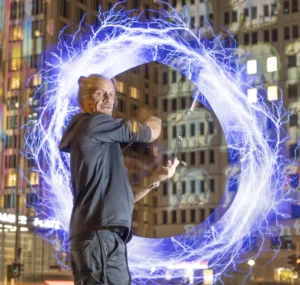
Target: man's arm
[[160, 174]]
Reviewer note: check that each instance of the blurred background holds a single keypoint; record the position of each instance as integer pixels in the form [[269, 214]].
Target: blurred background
[[265, 31]]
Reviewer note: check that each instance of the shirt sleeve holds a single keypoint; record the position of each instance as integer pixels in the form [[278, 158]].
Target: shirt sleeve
[[104, 128]]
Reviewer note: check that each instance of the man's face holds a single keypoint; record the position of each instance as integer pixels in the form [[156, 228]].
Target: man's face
[[104, 97]]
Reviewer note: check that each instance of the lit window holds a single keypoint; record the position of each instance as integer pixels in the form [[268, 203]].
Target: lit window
[[272, 64], [37, 80], [121, 86], [11, 180], [252, 95], [15, 64], [15, 83], [134, 93], [272, 93], [252, 66], [34, 178]]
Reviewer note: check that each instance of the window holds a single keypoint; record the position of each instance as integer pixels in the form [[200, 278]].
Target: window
[[246, 12], [274, 35], [286, 33], [14, 83], [37, 29], [15, 33], [183, 131], [165, 105], [134, 109], [294, 120], [294, 150], [11, 141], [192, 130], [212, 185], [272, 93], [272, 64], [174, 217], [174, 104], [36, 80], [193, 216], [174, 3], [10, 161], [80, 14], [252, 95], [212, 215], [211, 128], [34, 178], [174, 76], [174, 132], [183, 157], [183, 187], [192, 22], [134, 93], [147, 12], [295, 30], [165, 188], [274, 9], [182, 78], [165, 133], [202, 157], [183, 105], [246, 39], [286, 7], [202, 129], [211, 156], [174, 189], [234, 16], [201, 22], [292, 61], [36, 61], [165, 78], [37, 7], [183, 216], [266, 10], [292, 91], [193, 158], [226, 18], [146, 71], [15, 64], [254, 38], [252, 66], [253, 12], [193, 186], [266, 36], [294, 6], [202, 186], [211, 18], [9, 201], [16, 10], [165, 217], [122, 105], [12, 103], [202, 215]]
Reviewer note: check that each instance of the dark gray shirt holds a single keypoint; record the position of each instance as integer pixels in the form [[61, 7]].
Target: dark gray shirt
[[102, 193]]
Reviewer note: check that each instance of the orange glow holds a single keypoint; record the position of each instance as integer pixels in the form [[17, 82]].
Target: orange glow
[[57, 282]]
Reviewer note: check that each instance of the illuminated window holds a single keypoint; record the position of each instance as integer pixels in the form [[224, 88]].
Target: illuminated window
[[252, 66], [16, 33], [134, 93], [121, 86], [15, 64], [14, 83], [272, 93], [252, 95], [37, 80], [34, 178], [37, 29], [272, 64], [11, 180]]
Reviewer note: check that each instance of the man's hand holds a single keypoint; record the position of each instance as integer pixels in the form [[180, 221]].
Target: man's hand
[[155, 125], [162, 173]]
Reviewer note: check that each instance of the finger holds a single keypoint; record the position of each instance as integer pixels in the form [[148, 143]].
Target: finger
[[169, 164]]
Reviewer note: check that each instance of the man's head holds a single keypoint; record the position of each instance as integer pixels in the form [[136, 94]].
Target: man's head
[[97, 94]]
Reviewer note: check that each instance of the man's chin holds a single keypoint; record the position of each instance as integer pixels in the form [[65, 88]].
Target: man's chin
[[106, 111]]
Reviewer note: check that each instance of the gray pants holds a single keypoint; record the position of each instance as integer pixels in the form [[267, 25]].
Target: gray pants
[[99, 257]]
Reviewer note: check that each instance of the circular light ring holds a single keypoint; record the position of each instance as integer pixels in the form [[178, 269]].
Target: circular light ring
[[122, 43]]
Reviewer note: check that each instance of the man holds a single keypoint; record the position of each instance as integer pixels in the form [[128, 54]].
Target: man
[[103, 198]]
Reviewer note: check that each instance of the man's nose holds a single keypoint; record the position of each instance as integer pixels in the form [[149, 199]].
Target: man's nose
[[105, 97]]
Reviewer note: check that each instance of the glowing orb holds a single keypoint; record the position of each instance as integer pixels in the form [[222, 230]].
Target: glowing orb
[[120, 43]]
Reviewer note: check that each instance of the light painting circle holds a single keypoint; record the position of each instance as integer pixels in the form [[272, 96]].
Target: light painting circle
[[121, 43]]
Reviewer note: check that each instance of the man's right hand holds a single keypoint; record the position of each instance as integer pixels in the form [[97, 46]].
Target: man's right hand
[[155, 125]]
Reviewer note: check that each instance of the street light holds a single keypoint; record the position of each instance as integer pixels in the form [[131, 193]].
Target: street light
[[251, 262]]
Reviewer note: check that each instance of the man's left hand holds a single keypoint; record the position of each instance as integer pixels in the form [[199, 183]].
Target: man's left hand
[[162, 173]]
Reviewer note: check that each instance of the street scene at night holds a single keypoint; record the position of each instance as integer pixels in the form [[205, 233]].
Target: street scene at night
[[149, 142]]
